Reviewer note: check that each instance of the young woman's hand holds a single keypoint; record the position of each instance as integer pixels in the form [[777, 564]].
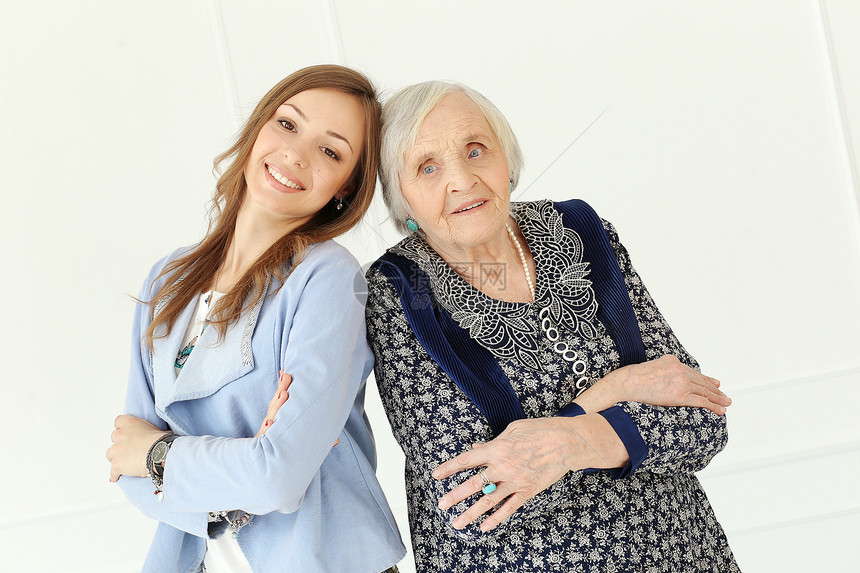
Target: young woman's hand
[[281, 396], [131, 439]]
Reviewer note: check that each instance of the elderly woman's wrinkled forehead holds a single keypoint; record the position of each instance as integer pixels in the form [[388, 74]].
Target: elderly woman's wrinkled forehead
[[452, 124]]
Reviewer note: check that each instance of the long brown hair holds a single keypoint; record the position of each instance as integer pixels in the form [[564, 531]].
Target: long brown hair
[[197, 268]]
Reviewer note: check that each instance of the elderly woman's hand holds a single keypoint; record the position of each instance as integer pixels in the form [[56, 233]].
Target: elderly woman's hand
[[662, 382], [529, 456], [131, 439]]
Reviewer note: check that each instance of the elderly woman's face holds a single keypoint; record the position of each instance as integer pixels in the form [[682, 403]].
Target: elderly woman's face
[[455, 178]]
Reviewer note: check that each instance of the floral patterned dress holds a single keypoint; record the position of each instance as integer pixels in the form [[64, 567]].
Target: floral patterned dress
[[655, 519]]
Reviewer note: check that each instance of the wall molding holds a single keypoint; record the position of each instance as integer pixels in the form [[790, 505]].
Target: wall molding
[[335, 38], [225, 65], [783, 523], [799, 455], [838, 110], [767, 385], [64, 513]]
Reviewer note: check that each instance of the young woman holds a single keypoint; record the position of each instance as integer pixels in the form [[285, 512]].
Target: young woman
[[265, 304]]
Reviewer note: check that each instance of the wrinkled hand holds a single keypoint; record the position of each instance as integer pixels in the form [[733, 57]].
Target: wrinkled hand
[[282, 394], [662, 382], [525, 459], [131, 439]]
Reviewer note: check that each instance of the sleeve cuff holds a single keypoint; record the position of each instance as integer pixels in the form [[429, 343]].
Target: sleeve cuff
[[627, 431], [571, 410]]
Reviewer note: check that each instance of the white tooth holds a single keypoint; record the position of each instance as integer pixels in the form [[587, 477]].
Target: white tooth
[[282, 179], [478, 204]]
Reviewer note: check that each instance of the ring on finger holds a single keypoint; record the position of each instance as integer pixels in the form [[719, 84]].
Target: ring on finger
[[489, 487]]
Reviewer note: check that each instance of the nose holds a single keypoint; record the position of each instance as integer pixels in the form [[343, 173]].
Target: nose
[[294, 155], [461, 177]]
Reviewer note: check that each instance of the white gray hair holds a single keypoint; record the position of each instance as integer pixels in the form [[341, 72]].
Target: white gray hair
[[402, 116]]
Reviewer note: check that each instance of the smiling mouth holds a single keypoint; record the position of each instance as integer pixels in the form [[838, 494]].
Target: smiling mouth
[[478, 204], [283, 180]]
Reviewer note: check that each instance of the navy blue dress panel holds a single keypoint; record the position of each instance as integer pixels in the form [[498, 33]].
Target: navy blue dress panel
[[657, 518], [614, 308], [472, 367]]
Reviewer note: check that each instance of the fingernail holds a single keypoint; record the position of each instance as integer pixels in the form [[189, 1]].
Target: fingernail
[[279, 395], [268, 422]]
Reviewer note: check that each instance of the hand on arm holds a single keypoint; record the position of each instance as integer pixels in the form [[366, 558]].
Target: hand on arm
[[529, 456], [280, 398], [131, 439], [662, 382], [679, 439]]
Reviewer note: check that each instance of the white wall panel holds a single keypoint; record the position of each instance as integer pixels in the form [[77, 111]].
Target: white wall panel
[[720, 137], [268, 40], [840, 22], [823, 545], [716, 155], [111, 115]]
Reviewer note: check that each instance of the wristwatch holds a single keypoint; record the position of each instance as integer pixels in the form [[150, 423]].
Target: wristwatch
[[159, 454]]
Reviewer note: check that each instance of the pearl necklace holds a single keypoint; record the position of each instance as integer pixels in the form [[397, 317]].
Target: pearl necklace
[[522, 260]]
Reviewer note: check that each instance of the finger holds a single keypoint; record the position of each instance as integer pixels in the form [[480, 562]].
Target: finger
[[263, 427], [708, 384], [114, 474], [710, 394], [465, 461], [705, 386], [466, 489], [284, 381], [512, 504], [484, 504], [698, 401], [275, 405], [120, 420]]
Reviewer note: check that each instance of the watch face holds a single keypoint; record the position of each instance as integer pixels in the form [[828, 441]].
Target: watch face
[[159, 452]]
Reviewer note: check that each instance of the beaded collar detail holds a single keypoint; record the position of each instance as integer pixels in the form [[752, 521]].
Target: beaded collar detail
[[510, 330]]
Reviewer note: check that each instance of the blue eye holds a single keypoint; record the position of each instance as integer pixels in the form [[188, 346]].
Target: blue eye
[[429, 169], [475, 153]]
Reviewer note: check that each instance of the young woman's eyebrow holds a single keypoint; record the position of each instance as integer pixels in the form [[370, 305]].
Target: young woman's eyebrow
[[331, 133]]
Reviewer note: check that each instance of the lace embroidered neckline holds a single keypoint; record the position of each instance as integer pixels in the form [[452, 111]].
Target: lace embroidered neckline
[[509, 329]]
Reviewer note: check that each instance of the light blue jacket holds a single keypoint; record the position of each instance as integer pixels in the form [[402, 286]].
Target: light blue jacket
[[316, 507]]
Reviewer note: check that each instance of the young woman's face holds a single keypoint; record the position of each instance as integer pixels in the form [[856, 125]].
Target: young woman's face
[[304, 154]]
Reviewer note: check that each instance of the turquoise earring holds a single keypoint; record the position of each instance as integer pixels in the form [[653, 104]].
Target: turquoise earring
[[412, 224], [512, 185]]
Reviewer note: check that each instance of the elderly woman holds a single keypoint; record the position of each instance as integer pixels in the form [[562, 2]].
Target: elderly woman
[[550, 418]]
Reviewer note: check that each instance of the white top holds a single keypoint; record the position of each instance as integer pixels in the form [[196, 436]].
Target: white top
[[223, 555]]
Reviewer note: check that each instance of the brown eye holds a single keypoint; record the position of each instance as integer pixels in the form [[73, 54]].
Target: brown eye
[[331, 153]]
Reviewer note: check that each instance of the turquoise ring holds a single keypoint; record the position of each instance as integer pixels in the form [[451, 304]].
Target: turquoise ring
[[489, 487]]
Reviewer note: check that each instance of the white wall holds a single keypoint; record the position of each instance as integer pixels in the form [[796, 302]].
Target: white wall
[[721, 137]]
